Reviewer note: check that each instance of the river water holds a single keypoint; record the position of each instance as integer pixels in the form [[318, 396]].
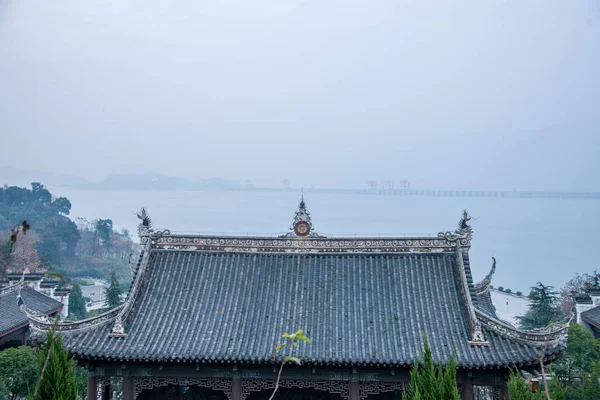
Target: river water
[[546, 240]]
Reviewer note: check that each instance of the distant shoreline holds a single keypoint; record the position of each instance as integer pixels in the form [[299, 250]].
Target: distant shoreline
[[368, 192]]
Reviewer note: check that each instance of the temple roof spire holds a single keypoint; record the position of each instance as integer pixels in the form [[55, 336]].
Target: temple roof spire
[[302, 224]]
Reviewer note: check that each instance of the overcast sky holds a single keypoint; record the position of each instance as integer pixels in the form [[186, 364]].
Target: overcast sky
[[445, 93]]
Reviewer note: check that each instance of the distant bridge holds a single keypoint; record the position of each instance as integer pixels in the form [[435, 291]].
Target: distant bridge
[[446, 193]]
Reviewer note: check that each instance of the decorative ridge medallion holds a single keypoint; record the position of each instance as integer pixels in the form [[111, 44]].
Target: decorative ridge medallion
[[302, 225]]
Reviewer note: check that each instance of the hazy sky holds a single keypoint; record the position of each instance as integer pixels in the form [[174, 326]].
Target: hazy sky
[[445, 93]]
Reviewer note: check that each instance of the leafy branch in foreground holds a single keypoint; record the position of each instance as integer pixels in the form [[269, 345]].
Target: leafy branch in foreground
[[292, 339]]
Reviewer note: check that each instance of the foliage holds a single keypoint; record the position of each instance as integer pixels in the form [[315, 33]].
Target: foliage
[[579, 368], [576, 285], [77, 309], [113, 292], [519, 389], [519, 293], [501, 288], [508, 291], [58, 380], [19, 371], [81, 376], [291, 341], [61, 244], [104, 227], [428, 382], [543, 308]]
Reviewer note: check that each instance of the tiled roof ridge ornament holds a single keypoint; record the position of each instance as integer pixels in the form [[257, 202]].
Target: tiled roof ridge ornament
[[146, 229], [118, 331], [302, 224], [464, 232], [484, 285]]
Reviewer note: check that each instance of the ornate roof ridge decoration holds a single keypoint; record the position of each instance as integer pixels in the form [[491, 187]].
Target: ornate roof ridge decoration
[[146, 230], [477, 337], [552, 335], [306, 245], [40, 323], [484, 285], [463, 232], [11, 288], [118, 329], [302, 224]]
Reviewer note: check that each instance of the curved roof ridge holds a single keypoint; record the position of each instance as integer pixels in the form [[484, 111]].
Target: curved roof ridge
[[553, 335], [484, 285]]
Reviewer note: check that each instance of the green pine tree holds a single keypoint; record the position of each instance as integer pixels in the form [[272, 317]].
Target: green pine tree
[[428, 382], [449, 384], [415, 383], [77, 308], [57, 380], [543, 309], [114, 291], [430, 375]]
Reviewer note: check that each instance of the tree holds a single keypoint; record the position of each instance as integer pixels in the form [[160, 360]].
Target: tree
[[104, 228], [19, 371], [581, 352], [543, 308], [576, 285], [519, 389], [114, 291], [62, 205], [428, 382], [58, 380], [24, 255], [77, 309], [40, 193]]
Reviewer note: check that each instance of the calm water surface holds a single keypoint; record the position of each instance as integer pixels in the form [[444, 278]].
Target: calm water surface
[[532, 240]]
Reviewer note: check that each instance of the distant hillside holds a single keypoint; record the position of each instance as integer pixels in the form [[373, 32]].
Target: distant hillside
[[23, 178]]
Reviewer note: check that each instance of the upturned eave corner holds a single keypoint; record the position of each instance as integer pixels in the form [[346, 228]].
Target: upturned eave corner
[[553, 336], [483, 285]]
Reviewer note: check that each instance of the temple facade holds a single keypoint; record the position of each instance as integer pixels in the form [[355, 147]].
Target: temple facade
[[205, 314]]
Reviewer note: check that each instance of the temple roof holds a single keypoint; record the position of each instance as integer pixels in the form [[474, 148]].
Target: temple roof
[[12, 317], [363, 301]]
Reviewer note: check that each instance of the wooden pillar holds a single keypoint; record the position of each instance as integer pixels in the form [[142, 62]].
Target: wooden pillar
[[354, 390], [504, 394], [128, 387], [92, 387], [24, 337], [237, 389], [467, 387], [106, 392]]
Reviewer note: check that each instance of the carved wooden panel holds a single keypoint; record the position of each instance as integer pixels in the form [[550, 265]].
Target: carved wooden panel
[[256, 385], [370, 388], [223, 385]]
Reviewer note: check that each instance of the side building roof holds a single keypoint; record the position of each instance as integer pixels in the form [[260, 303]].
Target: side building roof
[[363, 301], [592, 317], [12, 316]]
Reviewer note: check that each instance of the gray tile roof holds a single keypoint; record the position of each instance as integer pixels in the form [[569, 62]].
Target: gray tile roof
[[592, 316], [11, 315], [216, 306]]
